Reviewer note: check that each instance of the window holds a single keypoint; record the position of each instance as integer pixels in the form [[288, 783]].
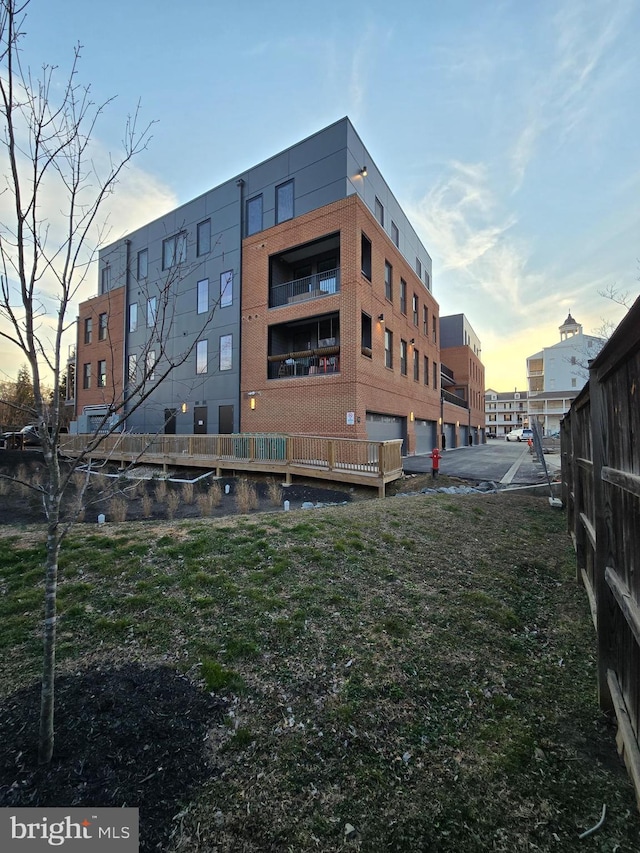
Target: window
[[508, 418], [365, 343], [365, 251], [395, 234], [379, 211], [574, 382], [226, 288], [403, 357], [388, 281], [415, 309], [202, 357], [416, 365], [203, 238], [151, 364], [133, 316], [427, 280], [86, 375], [403, 296], [226, 352], [284, 202], [254, 215], [435, 375], [132, 369], [174, 250], [102, 374], [492, 418], [573, 359], [388, 348], [102, 327], [425, 320], [418, 268], [425, 371], [151, 311], [88, 330], [203, 296], [143, 264], [105, 279], [434, 325]]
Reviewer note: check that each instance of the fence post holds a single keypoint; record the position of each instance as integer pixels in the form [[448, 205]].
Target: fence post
[[331, 455], [605, 602]]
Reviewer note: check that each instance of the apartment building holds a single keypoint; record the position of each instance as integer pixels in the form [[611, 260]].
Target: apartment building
[[557, 373], [462, 375], [505, 411], [295, 297]]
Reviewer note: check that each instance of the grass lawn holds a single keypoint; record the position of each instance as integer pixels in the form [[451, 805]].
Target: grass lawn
[[409, 674]]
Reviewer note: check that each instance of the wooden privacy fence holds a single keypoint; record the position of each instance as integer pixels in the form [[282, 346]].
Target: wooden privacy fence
[[369, 463], [601, 490]]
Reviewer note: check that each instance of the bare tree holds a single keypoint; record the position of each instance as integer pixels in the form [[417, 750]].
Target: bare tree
[[47, 152]]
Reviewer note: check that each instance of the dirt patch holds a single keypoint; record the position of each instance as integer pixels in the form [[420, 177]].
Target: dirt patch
[[129, 736]]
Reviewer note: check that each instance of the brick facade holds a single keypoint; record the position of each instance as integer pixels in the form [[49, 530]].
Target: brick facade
[[109, 349]]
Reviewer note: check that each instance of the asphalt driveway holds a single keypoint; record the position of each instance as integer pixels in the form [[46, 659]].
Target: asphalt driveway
[[499, 461]]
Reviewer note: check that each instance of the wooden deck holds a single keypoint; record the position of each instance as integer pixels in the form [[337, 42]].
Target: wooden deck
[[362, 462]]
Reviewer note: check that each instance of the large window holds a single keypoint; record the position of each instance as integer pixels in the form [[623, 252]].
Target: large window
[[284, 202], [379, 211], [203, 296], [88, 330], [418, 268], [133, 316], [202, 357], [102, 327], [254, 215], [395, 234], [403, 357], [365, 249], [143, 264], [86, 375], [416, 365], [226, 288], [132, 368], [174, 250], [151, 364], [403, 296], [425, 370], [434, 325], [388, 281], [435, 375], [102, 374], [226, 352], [203, 238], [105, 279], [388, 348], [415, 309], [152, 303], [425, 320], [365, 343]]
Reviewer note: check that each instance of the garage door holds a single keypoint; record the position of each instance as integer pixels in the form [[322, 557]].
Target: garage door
[[385, 427], [426, 436], [450, 436]]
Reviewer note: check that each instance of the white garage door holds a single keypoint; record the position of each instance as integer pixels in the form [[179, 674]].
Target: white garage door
[[385, 427]]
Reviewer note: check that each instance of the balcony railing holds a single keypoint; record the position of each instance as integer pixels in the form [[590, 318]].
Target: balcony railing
[[454, 399], [316, 362], [301, 289]]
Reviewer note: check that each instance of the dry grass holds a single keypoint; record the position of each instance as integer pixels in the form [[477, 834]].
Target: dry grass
[[215, 491], [205, 503], [274, 490], [188, 493], [246, 496], [172, 503], [117, 508], [160, 490], [147, 505]]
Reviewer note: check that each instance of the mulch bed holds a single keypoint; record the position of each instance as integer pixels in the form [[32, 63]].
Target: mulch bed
[[131, 736]]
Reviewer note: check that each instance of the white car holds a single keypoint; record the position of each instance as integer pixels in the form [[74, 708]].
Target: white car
[[519, 434]]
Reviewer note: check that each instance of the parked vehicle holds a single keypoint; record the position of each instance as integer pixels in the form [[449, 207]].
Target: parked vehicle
[[25, 437], [523, 434]]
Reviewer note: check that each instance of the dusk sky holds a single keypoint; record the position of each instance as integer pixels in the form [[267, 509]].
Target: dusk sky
[[508, 131]]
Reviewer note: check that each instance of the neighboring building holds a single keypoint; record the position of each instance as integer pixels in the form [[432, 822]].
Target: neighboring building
[[505, 411], [556, 374], [305, 295], [463, 374]]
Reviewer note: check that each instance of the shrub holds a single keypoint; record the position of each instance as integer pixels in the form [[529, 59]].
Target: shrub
[[274, 491], [187, 493], [205, 503], [216, 493], [246, 496], [161, 490], [172, 502], [117, 508], [147, 505]]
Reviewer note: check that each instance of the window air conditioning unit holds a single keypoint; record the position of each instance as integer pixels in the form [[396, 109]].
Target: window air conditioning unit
[[326, 342]]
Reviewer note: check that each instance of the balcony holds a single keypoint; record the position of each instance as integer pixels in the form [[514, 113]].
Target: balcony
[[313, 286], [306, 272], [309, 347]]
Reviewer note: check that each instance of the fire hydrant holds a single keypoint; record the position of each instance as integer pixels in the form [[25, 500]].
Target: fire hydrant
[[435, 462]]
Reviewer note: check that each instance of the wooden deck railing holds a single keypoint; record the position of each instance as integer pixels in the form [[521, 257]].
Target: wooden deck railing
[[370, 463]]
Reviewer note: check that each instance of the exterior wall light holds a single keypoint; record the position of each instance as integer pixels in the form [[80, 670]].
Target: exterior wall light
[[363, 171], [252, 403], [381, 318], [184, 408], [412, 341]]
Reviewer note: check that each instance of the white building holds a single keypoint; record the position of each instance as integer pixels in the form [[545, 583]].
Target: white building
[[504, 411], [556, 374]]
